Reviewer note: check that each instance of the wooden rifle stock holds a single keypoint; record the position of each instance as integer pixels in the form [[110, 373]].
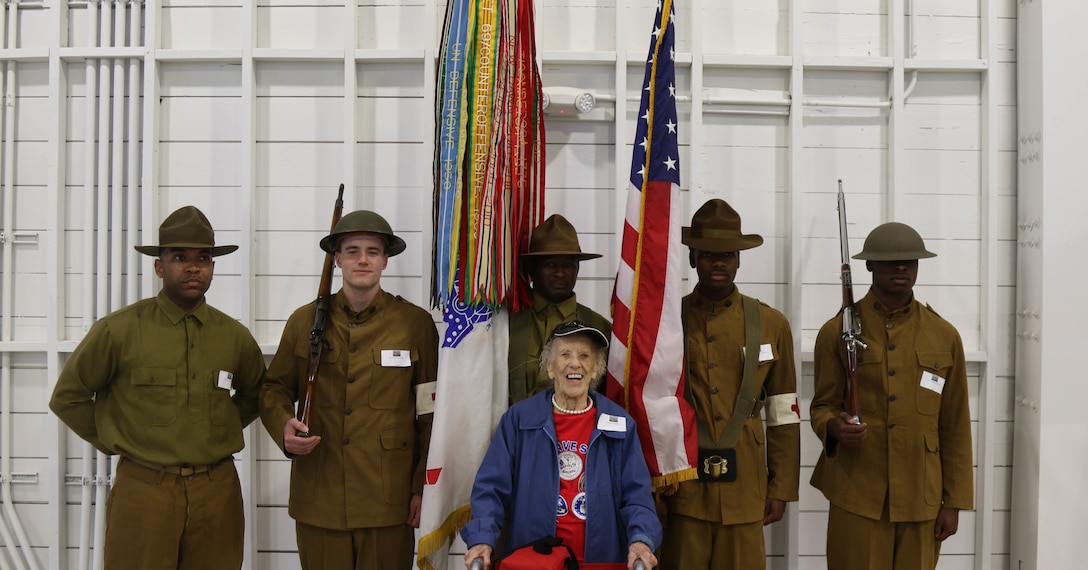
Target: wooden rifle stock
[[317, 333], [851, 321]]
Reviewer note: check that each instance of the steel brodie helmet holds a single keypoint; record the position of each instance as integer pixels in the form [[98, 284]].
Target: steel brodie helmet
[[363, 221], [894, 241]]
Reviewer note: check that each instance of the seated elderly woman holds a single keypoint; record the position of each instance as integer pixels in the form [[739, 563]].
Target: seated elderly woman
[[567, 463]]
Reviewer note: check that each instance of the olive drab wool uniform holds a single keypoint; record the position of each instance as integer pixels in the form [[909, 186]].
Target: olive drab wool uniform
[[768, 461], [912, 388], [373, 453], [529, 329]]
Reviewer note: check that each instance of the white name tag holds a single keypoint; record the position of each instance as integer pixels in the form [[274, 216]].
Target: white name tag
[[765, 353], [608, 422], [397, 358], [931, 381], [226, 380]]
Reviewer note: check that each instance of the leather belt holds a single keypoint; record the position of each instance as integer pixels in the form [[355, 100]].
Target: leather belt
[[182, 470]]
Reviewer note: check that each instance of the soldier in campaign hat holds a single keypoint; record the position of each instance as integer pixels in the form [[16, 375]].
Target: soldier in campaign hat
[[357, 477], [552, 260], [897, 480], [153, 383], [739, 355]]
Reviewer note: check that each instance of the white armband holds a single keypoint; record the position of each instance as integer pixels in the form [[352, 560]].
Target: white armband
[[425, 398], [782, 410]]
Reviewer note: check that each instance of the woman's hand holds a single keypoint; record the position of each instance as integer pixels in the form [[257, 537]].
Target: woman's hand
[[640, 551], [479, 551]]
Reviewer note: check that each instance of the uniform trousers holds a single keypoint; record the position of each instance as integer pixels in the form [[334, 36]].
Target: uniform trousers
[[360, 548], [693, 544], [855, 542], [160, 518]]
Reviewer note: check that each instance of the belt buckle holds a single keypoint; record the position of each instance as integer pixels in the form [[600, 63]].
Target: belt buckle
[[186, 470]]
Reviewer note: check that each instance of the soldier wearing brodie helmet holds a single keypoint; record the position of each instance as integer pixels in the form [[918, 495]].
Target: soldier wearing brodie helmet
[[896, 482], [739, 358], [357, 483]]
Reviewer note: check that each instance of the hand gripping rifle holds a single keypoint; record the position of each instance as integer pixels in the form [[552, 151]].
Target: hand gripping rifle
[[318, 342], [851, 321]]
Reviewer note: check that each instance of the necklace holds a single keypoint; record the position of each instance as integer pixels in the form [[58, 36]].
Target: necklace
[[571, 412]]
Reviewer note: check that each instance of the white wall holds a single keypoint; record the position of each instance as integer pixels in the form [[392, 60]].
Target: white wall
[[256, 111]]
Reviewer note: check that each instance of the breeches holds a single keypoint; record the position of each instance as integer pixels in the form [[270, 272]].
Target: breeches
[[693, 544], [361, 548], [858, 543], [159, 520]]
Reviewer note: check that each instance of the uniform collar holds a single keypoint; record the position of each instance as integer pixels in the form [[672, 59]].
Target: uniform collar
[[872, 301], [707, 304], [567, 308], [375, 306], [175, 313]]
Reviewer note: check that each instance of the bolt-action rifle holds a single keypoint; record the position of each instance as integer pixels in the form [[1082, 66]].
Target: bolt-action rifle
[[851, 321], [318, 342]]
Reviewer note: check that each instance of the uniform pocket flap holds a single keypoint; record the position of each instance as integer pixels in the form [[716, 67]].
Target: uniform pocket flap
[[933, 443], [396, 438], [935, 359]]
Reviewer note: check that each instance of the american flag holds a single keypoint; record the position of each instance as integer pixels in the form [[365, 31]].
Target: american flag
[[645, 362]]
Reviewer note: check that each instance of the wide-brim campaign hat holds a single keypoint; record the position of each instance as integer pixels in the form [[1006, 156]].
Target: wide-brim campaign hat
[[715, 227], [361, 221], [556, 236], [577, 327], [186, 228]]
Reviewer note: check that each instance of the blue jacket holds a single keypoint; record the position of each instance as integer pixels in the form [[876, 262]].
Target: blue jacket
[[520, 476]]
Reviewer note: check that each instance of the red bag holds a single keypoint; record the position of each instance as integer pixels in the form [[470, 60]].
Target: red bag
[[548, 553]]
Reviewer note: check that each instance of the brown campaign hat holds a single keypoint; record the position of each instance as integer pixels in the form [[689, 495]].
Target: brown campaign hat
[[187, 227], [715, 227], [556, 236]]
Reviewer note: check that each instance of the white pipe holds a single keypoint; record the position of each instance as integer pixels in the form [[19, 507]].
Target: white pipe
[[91, 67], [86, 506], [132, 190], [5, 379], [11, 40], [105, 259], [117, 234], [5, 318], [912, 51], [847, 103]]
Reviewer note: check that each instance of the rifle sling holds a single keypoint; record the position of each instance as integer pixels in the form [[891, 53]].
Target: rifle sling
[[747, 399]]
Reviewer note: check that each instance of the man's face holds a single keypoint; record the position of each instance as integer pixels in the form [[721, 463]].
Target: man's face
[[716, 272], [186, 275], [894, 279], [554, 277], [362, 258]]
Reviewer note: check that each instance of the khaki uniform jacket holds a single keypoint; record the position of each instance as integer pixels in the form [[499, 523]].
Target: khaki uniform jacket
[[524, 359], [768, 461], [373, 452], [918, 449], [145, 383]]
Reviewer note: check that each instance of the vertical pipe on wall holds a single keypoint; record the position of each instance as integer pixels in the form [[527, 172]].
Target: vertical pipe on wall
[[5, 316], [86, 507], [117, 154], [12, 517], [104, 256], [10, 41], [132, 183]]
